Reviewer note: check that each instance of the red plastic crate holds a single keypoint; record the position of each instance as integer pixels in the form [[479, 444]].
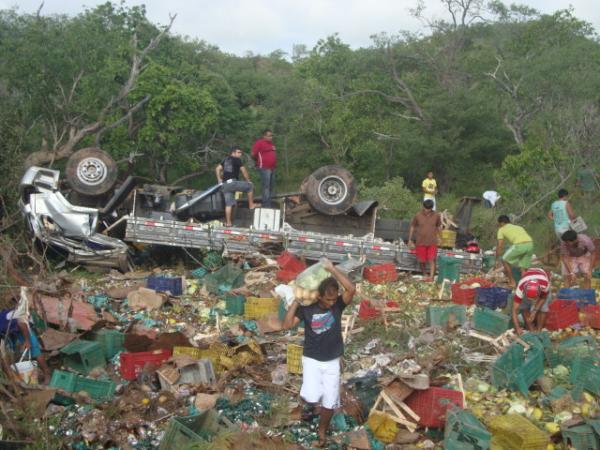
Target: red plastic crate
[[133, 363], [286, 275], [289, 262], [367, 311], [561, 314], [431, 405], [462, 296], [380, 273], [592, 316]]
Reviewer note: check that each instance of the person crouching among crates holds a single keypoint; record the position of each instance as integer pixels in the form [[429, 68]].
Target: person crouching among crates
[[532, 298], [228, 173], [323, 344]]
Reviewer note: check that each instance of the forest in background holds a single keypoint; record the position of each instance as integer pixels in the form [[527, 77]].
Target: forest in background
[[494, 97]]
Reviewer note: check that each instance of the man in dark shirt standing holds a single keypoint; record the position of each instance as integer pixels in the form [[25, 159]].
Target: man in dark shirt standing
[[427, 223], [323, 344], [228, 173], [263, 152]]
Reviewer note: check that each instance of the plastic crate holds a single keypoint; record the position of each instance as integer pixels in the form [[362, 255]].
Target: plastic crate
[[234, 304], [162, 283], [448, 268], [431, 405], [367, 311], [380, 273], [213, 353], [447, 239], [581, 437], [464, 294], [595, 283], [82, 356], [576, 347], [517, 369], [97, 389], [294, 358], [467, 428], [183, 432], [515, 432], [440, 315], [291, 263], [133, 363], [592, 316], [561, 314], [258, 307], [112, 341], [286, 275], [582, 296], [490, 322], [492, 297], [61, 379]]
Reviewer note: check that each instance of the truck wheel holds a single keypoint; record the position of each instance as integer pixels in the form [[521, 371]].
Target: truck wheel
[[331, 190], [91, 171]]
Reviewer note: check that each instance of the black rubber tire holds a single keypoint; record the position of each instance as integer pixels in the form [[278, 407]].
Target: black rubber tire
[[91, 171], [331, 190]]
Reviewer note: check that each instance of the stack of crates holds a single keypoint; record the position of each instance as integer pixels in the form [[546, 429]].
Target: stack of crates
[[490, 322], [463, 430], [518, 370], [515, 432], [82, 356], [258, 307], [438, 316], [294, 358]]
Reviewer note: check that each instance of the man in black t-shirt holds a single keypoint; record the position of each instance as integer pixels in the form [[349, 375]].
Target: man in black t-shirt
[[323, 344], [228, 173]]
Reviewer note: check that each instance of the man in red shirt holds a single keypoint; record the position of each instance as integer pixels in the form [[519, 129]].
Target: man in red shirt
[[263, 152], [427, 224], [532, 299]]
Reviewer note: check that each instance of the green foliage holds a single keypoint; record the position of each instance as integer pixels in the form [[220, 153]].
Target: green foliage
[[394, 198]]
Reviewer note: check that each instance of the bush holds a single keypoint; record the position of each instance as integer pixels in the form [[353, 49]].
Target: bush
[[395, 200]]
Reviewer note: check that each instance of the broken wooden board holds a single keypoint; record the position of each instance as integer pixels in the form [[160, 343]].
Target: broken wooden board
[[385, 405]]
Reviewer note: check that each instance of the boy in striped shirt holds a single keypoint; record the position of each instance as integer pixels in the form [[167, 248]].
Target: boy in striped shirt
[[532, 298]]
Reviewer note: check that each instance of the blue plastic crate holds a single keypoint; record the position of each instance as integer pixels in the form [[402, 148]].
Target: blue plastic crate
[[161, 283], [583, 297], [492, 297]]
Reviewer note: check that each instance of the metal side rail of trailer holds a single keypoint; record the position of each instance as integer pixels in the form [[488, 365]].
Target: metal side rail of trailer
[[310, 245]]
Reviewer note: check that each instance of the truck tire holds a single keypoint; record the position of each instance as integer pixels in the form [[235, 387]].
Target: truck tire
[[91, 171], [331, 190]]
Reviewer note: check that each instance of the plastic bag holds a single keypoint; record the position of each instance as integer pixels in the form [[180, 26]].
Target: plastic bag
[[312, 277]]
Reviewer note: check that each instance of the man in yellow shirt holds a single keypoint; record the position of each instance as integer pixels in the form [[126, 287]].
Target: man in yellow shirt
[[429, 186], [520, 251]]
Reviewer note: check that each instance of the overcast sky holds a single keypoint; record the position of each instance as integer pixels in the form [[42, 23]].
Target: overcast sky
[[262, 26]]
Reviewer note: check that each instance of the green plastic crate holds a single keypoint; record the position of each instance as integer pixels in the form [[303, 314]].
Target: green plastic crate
[[112, 341], [581, 437], [576, 347], [537, 338], [585, 375], [183, 432], [83, 356], [439, 315], [448, 268], [463, 426], [234, 304], [490, 322], [453, 442], [97, 389], [61, 379], [517, 369]]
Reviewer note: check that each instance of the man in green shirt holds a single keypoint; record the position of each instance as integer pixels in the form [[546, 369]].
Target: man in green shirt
[[520, 251]]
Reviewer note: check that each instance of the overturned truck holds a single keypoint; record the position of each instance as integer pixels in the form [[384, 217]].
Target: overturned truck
[[321, 219]]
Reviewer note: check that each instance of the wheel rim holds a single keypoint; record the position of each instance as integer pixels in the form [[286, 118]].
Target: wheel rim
[[92, 171], [333, 190]]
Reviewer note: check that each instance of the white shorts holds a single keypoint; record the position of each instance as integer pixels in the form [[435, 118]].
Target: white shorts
[[321, 382]]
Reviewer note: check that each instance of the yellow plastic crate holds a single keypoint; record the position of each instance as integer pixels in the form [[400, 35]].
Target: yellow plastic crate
[[213, 353], [259, 307], [447, 239], [294, 358], [515, 432], [595, 283]]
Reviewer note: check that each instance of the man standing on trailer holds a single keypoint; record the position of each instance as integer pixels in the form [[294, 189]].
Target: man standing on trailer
[[263, 152], [427, 224]]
